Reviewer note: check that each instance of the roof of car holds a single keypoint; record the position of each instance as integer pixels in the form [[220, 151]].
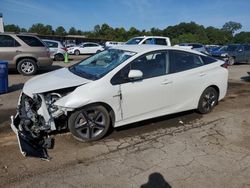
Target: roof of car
[[149, 47], [151, 37], [50, 40]]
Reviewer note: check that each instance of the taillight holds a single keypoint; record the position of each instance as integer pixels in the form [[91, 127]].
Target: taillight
[[225, 65], [65, 49]]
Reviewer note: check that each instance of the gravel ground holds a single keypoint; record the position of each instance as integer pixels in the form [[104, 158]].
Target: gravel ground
[[180, 150]]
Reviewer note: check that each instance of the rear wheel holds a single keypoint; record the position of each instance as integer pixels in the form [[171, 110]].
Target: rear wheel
[[27, 67], [90, 123], [208, 100], [77, 52], [59, 57]]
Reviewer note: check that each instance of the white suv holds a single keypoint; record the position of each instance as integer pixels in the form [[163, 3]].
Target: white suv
[[150, 40]]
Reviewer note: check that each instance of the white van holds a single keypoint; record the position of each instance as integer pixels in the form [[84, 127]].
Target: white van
[[150, 40]]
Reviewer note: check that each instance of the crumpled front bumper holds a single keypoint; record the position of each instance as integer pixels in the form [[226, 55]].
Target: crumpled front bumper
[[30, 146]]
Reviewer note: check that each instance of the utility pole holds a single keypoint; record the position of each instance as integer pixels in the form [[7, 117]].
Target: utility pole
[[1, 23]]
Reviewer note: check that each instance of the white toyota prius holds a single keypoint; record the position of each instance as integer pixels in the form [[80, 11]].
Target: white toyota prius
[[118, 86]]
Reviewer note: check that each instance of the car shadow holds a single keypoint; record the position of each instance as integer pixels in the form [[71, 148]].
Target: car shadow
[[167, 121], [15, 87], [245, 78], [156, 180]]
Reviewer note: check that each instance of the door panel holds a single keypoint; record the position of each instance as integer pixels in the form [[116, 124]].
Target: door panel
[[145, 96]]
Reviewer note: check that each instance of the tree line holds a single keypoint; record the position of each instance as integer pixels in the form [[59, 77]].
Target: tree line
[[180, 33]]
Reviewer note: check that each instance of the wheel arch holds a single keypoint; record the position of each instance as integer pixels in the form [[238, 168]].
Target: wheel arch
[[107, 107], [24, 57]]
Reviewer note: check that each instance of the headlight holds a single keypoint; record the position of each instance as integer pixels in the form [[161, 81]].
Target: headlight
[[224, 55]]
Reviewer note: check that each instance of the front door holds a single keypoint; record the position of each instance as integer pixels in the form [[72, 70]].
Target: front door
[[152, 94]]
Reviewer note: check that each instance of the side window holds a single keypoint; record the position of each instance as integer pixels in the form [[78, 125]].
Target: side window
[[151, 65], [160, 41], [247, 47], [87, 45], [8, 41], [196, 45], [31, 41], [208, 60], [149, 41], [52, 44], [181, 61]]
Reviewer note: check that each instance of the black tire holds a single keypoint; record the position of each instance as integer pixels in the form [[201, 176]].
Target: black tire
[[77, 52], [59, 57], [27, 67], [208, 100], [231, 60], [98, 51], [90, 123]]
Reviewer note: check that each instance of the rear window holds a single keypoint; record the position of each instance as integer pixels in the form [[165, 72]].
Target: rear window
[[51, 44], [208, 60], [31, 41], [8, 41], [160, 41]]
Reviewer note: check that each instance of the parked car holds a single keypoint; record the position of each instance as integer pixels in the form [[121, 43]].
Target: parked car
[[165, 41], [118, 86], [195, 46], [235, 53], [211, 48], [26, 53], [85, 48], [57, 50]]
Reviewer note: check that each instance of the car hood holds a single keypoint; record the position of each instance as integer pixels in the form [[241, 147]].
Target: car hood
[[55, 80]]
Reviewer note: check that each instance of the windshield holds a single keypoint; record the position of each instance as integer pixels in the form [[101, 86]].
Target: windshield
[[229, 48], [134, 41], [100, 64]]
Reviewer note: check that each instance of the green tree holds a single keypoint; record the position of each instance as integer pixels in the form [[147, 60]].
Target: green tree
[[231, 27], [242, 37], [23, 30], [72, 31], [12, 28], [41, 29], [60, 31]]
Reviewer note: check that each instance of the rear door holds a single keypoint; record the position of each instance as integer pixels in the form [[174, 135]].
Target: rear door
[[247, 52], [188, 75], [53, 47], [9, 48]]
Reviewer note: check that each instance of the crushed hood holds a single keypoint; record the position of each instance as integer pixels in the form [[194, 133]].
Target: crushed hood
[[59, 79]]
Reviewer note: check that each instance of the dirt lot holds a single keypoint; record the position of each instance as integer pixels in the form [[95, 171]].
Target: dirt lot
[[181, 150]]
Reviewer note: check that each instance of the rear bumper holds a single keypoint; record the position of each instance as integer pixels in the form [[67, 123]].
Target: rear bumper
[[44, 61]]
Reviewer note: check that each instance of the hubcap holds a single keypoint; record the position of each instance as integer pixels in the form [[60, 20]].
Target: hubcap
[[209, 100], [27, 67], [90, 123]]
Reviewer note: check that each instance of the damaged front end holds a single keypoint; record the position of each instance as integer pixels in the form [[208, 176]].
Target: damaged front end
[[35, 122]]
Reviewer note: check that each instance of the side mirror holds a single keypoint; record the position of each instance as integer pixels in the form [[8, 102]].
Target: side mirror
[[135, 75]]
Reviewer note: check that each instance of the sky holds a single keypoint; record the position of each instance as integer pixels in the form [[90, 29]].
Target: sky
[[142, 14]]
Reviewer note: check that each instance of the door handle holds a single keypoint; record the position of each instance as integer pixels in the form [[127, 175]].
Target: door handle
[[165, 82], [202, 74], [18, 51]]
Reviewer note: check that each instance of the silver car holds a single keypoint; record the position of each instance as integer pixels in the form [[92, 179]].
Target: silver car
[[57, 50]]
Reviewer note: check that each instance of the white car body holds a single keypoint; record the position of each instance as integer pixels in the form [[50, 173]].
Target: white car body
[[85, 48], [158, 40], [132, 101], [57, 50]]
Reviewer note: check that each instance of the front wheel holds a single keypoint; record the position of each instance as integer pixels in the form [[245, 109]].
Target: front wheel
[[231, 60], [90, 123], [208, 100]]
